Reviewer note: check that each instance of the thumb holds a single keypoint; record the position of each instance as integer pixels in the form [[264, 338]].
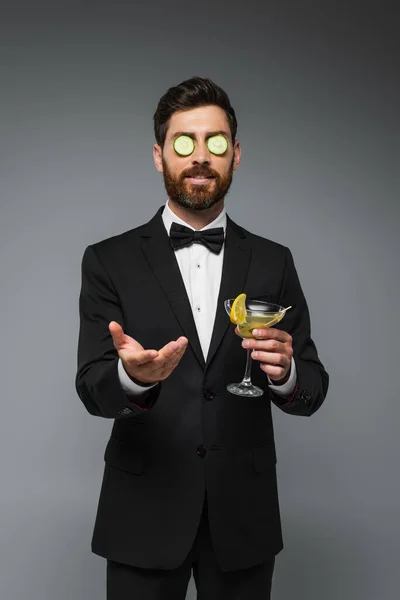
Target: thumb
[[117, 334]]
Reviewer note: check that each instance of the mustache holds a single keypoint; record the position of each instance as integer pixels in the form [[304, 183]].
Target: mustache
[[199, 173]]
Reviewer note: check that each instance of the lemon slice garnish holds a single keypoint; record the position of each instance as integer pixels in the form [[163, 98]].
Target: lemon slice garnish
[[238, 311]]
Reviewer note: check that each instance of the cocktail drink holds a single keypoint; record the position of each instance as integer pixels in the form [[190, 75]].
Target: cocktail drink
[[249, 314], [258, 321]]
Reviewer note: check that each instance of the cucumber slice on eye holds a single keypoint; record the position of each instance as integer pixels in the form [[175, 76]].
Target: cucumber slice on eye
[[217, 144], [184, 145]]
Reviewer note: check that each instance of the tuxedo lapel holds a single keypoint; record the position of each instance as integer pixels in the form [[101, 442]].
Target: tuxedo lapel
[[237, 256], [161, 258]]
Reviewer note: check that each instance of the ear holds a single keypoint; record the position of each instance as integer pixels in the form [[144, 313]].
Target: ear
[[237, 152], [157, 156]]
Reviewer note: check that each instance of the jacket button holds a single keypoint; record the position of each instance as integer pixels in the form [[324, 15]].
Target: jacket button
[[208, 395], [124, 412], [201, 450], [305, 396]]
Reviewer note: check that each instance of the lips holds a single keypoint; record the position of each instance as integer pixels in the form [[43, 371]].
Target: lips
[[199, 180]]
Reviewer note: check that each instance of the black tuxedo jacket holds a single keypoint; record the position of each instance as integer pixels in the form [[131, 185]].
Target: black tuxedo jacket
[[195, 436]]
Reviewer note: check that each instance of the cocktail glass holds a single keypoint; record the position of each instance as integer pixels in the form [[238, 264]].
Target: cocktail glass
[[259, 315]]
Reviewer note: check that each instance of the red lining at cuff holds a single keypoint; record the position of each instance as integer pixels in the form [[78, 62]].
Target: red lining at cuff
[[290, 399], [146, 407]]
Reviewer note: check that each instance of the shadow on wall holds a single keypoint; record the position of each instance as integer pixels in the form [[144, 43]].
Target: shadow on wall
[[325, 560], [80, 574], [63, 566]]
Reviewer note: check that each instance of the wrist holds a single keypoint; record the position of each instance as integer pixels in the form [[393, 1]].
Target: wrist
[[137, 381], [281, 381], [140, 383]]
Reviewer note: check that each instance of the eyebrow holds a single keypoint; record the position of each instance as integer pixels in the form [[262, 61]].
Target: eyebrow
[[193, 135]]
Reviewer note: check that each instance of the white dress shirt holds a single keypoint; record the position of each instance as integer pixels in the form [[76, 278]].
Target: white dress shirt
[[201, 272]]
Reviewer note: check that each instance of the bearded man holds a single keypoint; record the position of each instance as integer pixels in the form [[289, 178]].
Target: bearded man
[[190, 469]]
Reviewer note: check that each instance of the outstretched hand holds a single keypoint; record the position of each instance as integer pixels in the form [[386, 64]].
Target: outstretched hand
[[146, 366]]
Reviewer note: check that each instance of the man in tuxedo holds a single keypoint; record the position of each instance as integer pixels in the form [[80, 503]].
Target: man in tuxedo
[[190, 469]]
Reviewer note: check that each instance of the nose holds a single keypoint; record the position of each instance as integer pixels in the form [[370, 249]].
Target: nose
[[201, 154]]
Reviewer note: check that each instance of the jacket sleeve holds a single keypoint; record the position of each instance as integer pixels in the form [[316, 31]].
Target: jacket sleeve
[[97, 381], [312, 379]]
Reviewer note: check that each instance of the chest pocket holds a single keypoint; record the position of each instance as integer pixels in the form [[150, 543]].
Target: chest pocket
[[124, 456]]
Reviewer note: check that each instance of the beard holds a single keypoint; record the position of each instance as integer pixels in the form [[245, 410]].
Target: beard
[[197, 196]]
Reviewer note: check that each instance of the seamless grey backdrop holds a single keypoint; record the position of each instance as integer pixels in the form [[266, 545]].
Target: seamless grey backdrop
[[315, 92]]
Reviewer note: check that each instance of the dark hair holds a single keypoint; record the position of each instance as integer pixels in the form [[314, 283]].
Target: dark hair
[[191, 93]]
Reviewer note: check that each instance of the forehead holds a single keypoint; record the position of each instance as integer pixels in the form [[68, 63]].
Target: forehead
[[199, 120]]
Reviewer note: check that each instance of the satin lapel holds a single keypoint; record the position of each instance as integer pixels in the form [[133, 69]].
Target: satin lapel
[[161, 258], [237, 256]]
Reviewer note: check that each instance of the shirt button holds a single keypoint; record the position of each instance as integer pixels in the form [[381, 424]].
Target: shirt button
[[198, 265], [201, 450], [198, 309], [208, 395]]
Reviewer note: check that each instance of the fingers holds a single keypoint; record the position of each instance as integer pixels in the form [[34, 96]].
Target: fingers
[[170, 356], [267, 345], [136, 355], [163, 361], [270, 351], [276, 366], [117, 334], [174, 347], [270, 333], [271, 358], [275, 373], [144, 356]]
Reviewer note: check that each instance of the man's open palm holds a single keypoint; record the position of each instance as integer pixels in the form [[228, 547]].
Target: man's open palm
[[147, 366]]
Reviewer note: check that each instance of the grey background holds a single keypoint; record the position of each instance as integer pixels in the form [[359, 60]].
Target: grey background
[[315, 89]]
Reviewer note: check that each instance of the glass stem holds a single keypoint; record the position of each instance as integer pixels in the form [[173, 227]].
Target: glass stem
[[246, 378]]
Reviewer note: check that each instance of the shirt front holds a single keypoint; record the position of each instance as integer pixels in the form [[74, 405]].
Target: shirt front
[[201, 272]]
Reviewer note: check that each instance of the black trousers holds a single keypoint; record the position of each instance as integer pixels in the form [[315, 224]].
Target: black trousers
[[125, 582]]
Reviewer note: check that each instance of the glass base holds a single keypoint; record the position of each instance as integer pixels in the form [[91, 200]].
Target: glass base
[[242, 389]]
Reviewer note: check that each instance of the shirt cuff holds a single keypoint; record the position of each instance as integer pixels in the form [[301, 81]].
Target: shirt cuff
[[130, 387], [287, 388]]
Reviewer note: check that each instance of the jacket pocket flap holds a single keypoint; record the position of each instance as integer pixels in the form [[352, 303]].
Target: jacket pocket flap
[[264, 457], [124, 456]]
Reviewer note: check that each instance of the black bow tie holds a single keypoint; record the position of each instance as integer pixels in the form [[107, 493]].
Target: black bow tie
[[181, 236]]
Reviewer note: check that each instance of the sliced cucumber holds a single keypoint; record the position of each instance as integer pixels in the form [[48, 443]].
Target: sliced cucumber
[[217, 144], [184, 145]]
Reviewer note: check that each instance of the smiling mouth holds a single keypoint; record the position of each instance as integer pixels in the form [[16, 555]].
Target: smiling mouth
[[199, 180], [199, 177]]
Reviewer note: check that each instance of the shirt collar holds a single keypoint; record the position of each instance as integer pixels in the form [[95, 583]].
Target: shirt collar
[[169, 217]]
